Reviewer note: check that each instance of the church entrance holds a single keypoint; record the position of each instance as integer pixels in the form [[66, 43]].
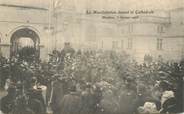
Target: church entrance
[[25, 44]]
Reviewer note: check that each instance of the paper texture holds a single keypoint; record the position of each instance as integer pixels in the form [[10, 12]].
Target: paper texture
[[91, 56]]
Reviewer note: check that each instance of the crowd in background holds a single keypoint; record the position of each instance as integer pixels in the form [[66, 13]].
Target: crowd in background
[[98, 82]]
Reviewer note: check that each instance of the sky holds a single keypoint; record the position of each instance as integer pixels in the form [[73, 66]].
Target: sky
[[80, 5]]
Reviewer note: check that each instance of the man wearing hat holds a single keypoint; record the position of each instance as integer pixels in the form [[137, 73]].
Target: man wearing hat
[[71, 103], [128, 96]]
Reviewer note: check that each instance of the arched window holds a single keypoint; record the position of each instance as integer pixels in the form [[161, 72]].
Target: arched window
[[159, 44]]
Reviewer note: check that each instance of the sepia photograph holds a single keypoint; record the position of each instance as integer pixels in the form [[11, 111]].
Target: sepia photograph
[[91, 56]]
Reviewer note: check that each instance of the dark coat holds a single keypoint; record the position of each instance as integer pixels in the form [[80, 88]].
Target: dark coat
[[170, 106], [127, 102], [57, 96], [88, 104], [71, 104]]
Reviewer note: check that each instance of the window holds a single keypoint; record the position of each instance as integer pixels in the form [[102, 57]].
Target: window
[[130, 28], [160, 29], [159, 44], [114, 44], [91, 33], [102, 44], [130, 43], [122, 44]]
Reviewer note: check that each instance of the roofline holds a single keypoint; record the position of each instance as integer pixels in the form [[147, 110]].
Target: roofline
[[25, 7]]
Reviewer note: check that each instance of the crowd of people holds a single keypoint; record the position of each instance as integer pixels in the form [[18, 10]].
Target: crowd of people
[[93, 82]]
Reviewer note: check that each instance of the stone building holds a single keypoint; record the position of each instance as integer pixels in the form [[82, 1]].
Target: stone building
[[20, 22], [158, 34]]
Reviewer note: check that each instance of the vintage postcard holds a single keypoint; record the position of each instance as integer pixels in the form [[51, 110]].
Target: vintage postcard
[[91, 56]]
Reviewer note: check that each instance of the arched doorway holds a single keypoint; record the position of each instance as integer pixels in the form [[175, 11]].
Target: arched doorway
[[25, 40]]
